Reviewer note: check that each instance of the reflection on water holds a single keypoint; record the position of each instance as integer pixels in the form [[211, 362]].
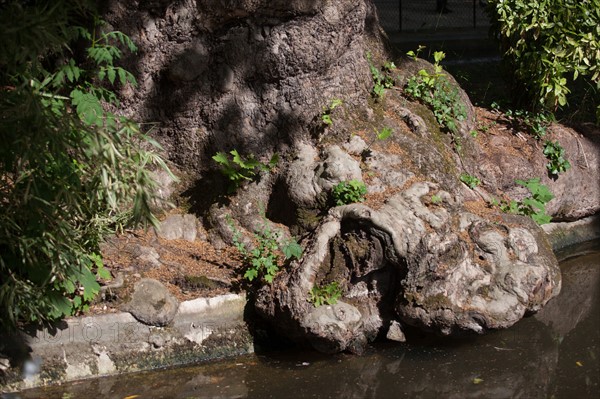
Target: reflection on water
[[555, 354]]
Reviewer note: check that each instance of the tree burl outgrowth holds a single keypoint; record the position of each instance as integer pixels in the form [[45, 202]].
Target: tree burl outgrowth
[[444, 269]]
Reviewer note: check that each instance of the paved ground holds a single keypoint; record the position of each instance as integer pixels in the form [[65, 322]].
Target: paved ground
[[459, 46], [421, 15], [462, 33]]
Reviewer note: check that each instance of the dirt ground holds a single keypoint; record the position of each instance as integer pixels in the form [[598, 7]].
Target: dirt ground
[[188, 269]]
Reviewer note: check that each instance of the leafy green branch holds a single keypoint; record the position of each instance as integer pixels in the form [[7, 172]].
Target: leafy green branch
[[533, 206], [548, 45], [238, 169], [72, 171], [435, 91]]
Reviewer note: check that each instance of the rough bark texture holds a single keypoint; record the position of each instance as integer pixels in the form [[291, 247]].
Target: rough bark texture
[[501, 160], [255, 75], [252, 75]]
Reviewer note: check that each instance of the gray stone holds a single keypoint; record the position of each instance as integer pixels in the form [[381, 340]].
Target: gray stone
[[164, 190], [333, 322], [151, 303], [189, 227], [177, 227], [390, 167], [473, 275], [147, 255], [395, 332], [355, 146], [300, 176]]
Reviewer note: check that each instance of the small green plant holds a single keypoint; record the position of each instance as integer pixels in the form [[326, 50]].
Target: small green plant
[[435, 91], [264, 260], [436, 199], [493, 202], [382, 78], [470, 180], [325, 294], [349, 192], [239, 169], [483, 128], [328, 110], [533, 206], [415, 54], [384, 134], [535, 123], [556, 158]]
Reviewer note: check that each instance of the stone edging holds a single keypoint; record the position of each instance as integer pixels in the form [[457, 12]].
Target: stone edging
[[565, 234], [108, 344]]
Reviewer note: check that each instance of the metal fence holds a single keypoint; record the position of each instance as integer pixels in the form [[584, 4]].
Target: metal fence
[[421, 15]]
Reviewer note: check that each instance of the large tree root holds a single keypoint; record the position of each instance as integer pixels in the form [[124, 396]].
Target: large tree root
[[434, 266]]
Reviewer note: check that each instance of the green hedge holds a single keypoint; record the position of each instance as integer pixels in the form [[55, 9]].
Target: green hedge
[[549, 44]]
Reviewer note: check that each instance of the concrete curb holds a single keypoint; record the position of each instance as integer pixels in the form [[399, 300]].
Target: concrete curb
[[565, 234], [94, 346]]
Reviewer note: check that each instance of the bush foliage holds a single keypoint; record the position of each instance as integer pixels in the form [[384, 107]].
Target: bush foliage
[[548, 45], [68, 166]]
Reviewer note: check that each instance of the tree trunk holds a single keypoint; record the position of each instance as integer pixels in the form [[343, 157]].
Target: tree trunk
[[424, 250]]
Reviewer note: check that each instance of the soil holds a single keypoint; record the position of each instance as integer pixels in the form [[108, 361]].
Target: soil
[[189, 270], [196, 269]]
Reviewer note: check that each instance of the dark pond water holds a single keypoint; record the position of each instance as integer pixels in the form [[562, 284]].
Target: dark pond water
[[554, 354]]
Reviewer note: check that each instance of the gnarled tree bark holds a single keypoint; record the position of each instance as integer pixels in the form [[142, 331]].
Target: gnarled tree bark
[[254, 75]]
